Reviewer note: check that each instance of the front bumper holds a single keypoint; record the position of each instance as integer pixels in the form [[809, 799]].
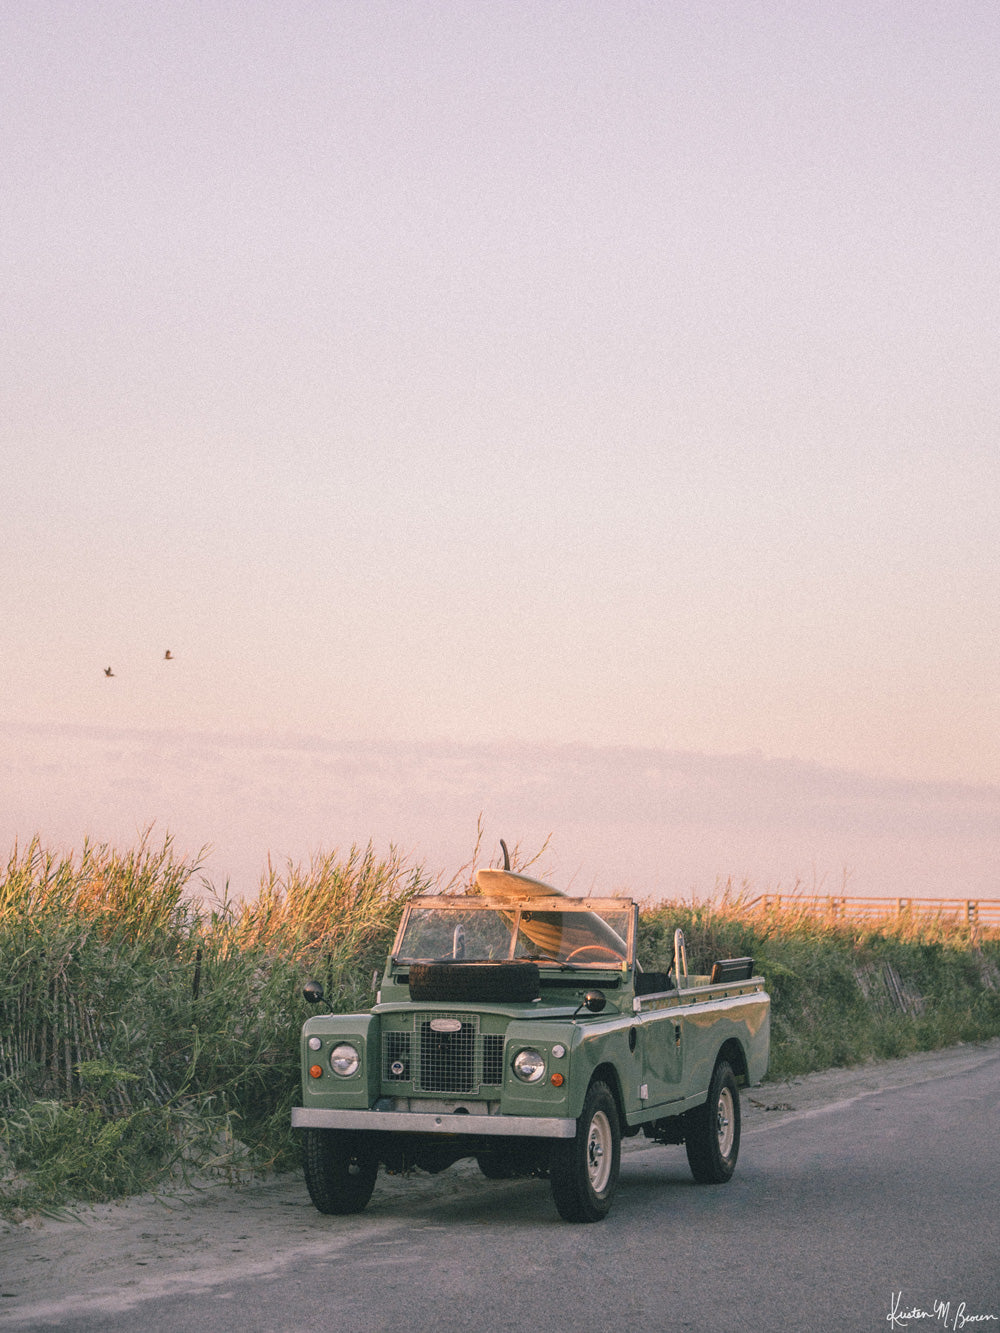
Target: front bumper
[[423, 1122]]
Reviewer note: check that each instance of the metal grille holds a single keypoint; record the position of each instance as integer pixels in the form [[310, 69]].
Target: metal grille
[[447, 1059], [492, 1059], [456, 1061], [396, 1057]]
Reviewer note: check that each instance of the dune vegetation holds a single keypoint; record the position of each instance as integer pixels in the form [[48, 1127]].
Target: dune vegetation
[[149, 1026], [842, 991]]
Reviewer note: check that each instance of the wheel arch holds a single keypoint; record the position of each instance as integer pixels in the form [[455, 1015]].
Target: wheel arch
[[735, 1056], [607, 1074]]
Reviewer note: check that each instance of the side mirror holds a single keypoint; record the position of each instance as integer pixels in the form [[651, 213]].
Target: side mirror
[[313, 991], [594, 1001]]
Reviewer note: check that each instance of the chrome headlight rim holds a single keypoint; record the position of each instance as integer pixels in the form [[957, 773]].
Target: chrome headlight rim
[[528, 1065], [345, 1059]]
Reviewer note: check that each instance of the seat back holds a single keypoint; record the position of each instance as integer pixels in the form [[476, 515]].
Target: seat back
[[731, 969]]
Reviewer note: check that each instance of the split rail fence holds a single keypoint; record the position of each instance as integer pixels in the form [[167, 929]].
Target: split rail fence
[[976, 911]]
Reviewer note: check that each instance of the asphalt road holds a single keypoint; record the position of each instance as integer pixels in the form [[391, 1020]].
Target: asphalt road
[[871, 1210]]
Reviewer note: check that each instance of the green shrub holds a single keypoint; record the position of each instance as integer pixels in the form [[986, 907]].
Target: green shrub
[[62, 1152]]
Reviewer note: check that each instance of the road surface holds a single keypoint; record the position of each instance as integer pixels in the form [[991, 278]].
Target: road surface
[[864, 1200]]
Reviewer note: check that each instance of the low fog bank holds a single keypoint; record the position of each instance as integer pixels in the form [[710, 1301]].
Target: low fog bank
[[651, 822]]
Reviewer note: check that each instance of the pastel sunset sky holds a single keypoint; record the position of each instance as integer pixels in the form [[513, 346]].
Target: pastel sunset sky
[[581, 413]]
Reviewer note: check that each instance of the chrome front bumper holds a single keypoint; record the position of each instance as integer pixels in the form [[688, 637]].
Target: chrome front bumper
[[423, 1122]]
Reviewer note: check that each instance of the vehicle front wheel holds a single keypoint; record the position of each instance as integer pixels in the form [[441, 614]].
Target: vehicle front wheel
[[583, 1171], [712, 1131], [340, 1169]]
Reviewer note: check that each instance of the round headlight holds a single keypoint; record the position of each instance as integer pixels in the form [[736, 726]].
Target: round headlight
[[529, 1066], [344, 1060]]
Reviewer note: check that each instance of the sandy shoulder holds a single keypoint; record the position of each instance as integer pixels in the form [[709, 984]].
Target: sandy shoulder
[[113, 1255]]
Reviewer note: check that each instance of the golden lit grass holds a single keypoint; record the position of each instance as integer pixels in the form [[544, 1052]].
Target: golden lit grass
[[144, 1025], [845, 990], [343, 903], [147, 1022]]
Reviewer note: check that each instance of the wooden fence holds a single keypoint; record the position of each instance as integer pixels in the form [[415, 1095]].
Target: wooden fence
[[976, 911]]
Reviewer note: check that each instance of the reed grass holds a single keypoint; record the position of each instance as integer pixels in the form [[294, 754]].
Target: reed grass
[[845, 991], [150, 1026]]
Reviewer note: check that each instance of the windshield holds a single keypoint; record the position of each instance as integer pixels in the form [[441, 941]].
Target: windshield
[[558, 934]]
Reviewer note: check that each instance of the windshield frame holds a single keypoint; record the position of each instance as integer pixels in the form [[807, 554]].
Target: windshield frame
[[515, 908]]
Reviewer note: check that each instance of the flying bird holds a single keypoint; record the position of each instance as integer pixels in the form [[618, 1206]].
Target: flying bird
[[168, 656], [108, 671]]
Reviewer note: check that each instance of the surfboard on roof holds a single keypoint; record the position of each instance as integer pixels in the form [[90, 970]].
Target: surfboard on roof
[[551, 931], [509, 884]]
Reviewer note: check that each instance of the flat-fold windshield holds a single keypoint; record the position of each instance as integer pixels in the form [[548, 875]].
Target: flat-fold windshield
[[552, 932]]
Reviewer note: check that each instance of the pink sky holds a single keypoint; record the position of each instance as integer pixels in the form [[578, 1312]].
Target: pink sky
[[582, 413]]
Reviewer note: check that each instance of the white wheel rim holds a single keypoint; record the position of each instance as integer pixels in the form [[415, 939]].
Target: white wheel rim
[[599, 1152], [725, 1122]]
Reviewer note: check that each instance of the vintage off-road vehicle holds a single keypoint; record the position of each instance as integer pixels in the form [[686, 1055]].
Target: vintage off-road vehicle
[[515, 1025]]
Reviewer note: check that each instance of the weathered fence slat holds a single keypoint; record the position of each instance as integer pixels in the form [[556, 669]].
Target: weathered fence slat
[[976, 911]]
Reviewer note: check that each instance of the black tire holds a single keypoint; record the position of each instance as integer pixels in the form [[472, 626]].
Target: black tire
[[490, 982], [340, 1169], [712, 1131], [583, 1171]]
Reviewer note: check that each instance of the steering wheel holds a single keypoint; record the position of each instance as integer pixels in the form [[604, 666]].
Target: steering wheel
[[596, 948]]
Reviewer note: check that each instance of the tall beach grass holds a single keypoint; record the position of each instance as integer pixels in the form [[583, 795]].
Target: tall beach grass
[[844, 991], [147, 1029], [149, 1026]]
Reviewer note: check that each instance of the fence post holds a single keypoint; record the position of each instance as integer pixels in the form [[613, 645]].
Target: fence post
[[972, 911]]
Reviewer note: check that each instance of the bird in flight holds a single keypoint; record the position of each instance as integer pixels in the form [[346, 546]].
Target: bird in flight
[[108, 671], [168, 656]]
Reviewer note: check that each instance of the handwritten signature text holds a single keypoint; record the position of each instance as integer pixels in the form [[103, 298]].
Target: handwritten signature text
[[942, 1313]]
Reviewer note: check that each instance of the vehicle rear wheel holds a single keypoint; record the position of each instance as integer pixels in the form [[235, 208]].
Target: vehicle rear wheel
[[340, 1169], [584, 1170], [712, 1131]]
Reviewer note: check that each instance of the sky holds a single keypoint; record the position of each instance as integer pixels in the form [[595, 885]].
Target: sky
[[578, 416]]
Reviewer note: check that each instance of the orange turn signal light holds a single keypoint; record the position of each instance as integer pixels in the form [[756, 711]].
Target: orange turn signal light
[[315, 1071], [557, 1080]]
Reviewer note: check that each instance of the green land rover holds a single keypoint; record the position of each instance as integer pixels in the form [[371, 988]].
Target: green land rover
[[515, 1025]]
